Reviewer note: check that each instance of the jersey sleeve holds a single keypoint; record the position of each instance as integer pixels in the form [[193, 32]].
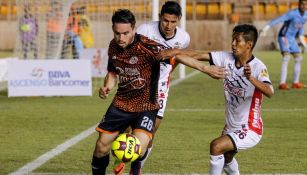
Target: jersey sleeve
[[152, 48], [142, 29], [187, 42], [285, 17], [217, 58], [263, 74], [110, 66], [301, 32]]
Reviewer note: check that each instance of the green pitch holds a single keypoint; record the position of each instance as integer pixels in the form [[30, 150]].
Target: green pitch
[[31, 126]]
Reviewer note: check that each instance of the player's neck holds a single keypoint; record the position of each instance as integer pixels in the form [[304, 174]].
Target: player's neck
[[243, 59]]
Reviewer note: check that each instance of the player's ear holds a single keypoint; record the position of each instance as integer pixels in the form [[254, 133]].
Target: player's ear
[[250, 44]]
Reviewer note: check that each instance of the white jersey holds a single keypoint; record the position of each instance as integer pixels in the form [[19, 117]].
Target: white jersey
[[243, 100], [180, 40]]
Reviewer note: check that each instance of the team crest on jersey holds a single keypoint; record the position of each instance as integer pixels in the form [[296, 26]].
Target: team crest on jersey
[[264, 73], [114, 57], [133, 60]]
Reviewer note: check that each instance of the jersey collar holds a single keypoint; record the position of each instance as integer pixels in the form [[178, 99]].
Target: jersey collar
[[248, 61]]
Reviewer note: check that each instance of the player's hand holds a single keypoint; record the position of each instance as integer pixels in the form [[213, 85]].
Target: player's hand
[[104, 92], [262, 33], [216, 72], [247, 71]]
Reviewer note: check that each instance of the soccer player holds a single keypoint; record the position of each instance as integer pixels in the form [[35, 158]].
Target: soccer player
[[165, 32], [246, 81], [293, 24], [135, 61]]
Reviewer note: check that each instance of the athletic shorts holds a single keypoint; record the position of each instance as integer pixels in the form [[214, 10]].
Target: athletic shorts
[[116, 120], [163, 87], [243, 139], [288, 44]]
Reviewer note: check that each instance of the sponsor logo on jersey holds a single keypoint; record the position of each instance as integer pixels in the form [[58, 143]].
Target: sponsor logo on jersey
[[133, 60], [256, 113], [264, 73], [237, 91]]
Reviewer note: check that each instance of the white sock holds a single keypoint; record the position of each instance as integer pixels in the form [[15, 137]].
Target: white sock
[[147, 155], [232, 168], [284, 68], [297, 69], [216, 164]]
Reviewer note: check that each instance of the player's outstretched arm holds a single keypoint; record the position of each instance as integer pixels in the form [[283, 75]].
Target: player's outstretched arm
[[215, 72], [196, 54], [109, 83], [265, 88]]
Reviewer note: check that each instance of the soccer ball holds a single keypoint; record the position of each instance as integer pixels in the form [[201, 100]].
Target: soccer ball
[[25, 27], [126, 148]]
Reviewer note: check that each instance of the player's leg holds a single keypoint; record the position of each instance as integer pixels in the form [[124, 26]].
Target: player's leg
[[150, 144], [143, 129], [297, 71], [101, 153], [231, 166], [119, 166], [218, 147], [285, 50], [241, 140], [296, 50], [114, 122]]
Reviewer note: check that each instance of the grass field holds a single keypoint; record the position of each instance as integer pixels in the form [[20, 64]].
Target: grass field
[[31, 126]]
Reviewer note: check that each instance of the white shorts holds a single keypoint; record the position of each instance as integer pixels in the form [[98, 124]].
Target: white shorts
[[163, 87], [243, 139]]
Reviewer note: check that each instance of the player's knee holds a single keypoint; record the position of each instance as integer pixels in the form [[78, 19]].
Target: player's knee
[[215, 148], [286, 58], [298, 59], [101, 149]]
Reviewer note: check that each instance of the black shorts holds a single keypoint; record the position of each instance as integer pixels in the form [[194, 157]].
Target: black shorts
[[116, 120]]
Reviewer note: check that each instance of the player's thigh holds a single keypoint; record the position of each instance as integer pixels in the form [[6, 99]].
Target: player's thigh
[[115, 120], [244, 139], [144, 140], [143, 126], [283, 43], [103, 144]]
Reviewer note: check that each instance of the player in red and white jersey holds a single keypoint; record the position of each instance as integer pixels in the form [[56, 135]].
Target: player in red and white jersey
[[247, 80], [243, 99], [166, 32]]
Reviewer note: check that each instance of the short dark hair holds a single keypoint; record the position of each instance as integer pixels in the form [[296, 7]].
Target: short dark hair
[[171, 7], [250, 32], [123, 16]]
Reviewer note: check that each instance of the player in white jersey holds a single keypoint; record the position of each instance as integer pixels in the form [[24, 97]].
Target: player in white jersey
[[247, 79]]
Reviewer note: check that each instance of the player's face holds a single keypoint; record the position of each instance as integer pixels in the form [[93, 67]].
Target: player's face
[[302, 6], [239, 46], [123, 34], [168, 24]]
